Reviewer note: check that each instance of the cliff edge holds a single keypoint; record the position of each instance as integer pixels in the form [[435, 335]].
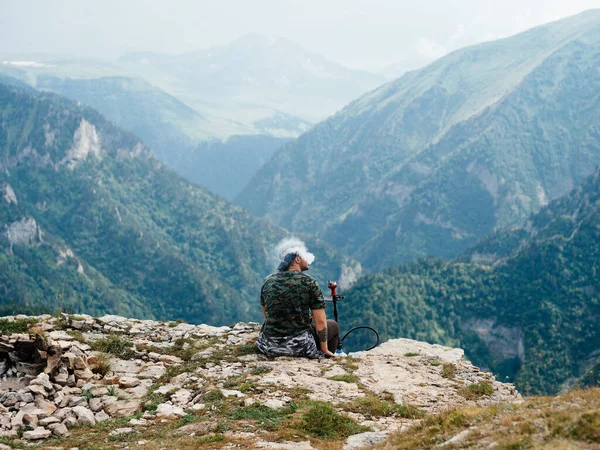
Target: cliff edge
[[105, 380]]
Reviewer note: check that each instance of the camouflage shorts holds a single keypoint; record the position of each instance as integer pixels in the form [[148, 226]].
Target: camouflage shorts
[[301, 345]]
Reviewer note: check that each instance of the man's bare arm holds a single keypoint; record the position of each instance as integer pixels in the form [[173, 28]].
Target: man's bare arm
[[264, 308], [321, 326]]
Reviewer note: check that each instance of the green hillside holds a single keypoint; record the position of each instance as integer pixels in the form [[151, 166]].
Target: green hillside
[[429, 164], [91, 222], [531, 317]]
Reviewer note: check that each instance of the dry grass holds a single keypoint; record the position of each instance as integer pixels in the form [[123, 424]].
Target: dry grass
[[373, 407], [100, 363], [570, 421], [449, 371], [475, 391]]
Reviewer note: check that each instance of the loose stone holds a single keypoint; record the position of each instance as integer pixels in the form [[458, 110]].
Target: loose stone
[[38, 433]]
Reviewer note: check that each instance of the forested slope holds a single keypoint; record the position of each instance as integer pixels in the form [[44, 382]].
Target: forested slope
[[91, 222], [532, 316]]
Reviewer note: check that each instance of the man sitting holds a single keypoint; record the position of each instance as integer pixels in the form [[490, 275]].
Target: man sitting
[[286, 297]]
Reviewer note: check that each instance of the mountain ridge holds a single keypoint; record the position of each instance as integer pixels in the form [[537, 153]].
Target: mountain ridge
[[374, 157]]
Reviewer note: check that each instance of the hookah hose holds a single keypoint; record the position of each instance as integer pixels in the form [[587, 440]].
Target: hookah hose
[[363, 327]]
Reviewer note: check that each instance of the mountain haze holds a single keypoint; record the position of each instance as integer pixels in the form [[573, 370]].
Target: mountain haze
[[90, 221], [202, 110], [434, 161], [255, 71]]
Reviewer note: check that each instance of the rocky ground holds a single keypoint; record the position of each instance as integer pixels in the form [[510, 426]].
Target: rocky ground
[[111, 382]]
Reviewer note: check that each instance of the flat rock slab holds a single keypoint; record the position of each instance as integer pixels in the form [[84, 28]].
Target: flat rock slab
[[285, 445], [400, 347], [195, 429], [298, 372], [38, 433], [169, 411], [125, 367], [363, 440], [122, 408]]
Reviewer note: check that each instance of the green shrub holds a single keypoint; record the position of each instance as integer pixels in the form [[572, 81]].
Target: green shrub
[[477, 390], [248, 349], [212, 397], [16, 326], [449, 371], [115, 345], [321, 420]]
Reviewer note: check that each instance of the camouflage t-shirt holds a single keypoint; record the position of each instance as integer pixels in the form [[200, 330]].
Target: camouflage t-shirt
[[288, 296]]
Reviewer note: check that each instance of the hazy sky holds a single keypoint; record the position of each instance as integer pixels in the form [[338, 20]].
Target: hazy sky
[[359, 33]]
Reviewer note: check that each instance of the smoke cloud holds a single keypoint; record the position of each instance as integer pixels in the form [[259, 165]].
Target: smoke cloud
[[292, 245]]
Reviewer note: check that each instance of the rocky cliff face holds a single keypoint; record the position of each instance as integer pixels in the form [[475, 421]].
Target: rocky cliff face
[[62, 375]]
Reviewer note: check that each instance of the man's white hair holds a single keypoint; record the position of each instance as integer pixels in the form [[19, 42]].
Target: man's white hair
[[293, 245]]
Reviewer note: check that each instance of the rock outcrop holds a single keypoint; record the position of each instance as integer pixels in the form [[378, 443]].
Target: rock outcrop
[[76, 370]]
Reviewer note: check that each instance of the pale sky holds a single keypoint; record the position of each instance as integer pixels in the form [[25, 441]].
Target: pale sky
[[369, 34]]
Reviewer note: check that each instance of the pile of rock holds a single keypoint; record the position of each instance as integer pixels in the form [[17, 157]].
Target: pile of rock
[[64, 382], [52, 381]]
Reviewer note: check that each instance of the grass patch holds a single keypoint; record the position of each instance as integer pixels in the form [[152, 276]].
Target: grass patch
[[210, 439], [240, 383], [186, 420], [87, 394], [372, 406], [78, 336], [411, 354], [587, 427], [213, 397], [347, 378], [348, 363], [267, 418], [115, 345], [517, 444], [152, 399], [152, 402], [320, 420], [435, 362], [16, 326], [477, 390], [259, 370], [247, 349], [298, 392], [181, 348], [449, 371], [234, 381], [12, 443], [177, 322]]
